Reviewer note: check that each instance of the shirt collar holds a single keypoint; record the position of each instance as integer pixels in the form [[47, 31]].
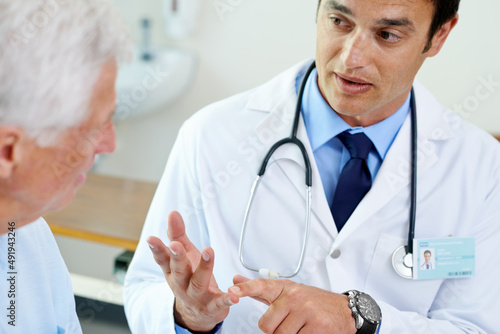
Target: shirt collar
[[323, 124]]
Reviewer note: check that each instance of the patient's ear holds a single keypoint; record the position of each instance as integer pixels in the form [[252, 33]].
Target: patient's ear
[[10, 142]]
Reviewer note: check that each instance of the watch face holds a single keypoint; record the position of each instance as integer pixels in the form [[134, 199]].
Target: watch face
[[368, 308]]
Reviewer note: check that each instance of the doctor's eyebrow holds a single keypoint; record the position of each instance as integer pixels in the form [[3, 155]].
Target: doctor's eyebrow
[[333, 4], [402, 22]]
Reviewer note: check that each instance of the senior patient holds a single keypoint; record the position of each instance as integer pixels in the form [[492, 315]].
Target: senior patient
[[58, 65]]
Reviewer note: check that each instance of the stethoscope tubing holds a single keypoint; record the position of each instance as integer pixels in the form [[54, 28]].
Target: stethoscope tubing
[[413, 190], [292, 139]]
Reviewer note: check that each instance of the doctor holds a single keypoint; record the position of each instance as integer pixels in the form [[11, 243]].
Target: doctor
[[368, 54]]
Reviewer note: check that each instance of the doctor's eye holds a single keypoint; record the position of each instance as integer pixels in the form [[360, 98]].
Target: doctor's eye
[[389, 37], [335, 20]]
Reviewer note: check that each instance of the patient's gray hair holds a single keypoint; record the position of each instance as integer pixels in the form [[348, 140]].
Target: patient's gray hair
[[51, 53]]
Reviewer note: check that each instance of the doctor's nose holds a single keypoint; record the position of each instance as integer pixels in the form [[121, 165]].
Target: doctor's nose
[[355, 51]]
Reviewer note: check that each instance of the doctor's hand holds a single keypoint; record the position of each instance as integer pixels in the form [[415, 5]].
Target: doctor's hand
[[297, 308], [199, 303]]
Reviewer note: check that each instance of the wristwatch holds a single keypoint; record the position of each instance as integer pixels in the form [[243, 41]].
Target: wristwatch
[[365, 311]]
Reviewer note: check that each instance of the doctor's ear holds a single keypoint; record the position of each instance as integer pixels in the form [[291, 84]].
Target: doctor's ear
[[440, 37], [10, 140]]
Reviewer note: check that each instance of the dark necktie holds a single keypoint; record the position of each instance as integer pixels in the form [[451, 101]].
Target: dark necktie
[[355, 180]]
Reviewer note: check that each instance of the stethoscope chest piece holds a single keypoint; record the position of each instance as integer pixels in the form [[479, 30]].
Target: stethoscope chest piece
[[402, 262]]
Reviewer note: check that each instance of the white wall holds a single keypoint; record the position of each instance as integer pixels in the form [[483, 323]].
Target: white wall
[[260, 38], [470, 57]]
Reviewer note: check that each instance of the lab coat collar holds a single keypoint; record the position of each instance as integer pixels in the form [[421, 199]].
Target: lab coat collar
[[278, 98], [282, 88]]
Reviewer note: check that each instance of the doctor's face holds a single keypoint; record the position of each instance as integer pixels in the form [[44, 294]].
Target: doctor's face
[[368, 53]]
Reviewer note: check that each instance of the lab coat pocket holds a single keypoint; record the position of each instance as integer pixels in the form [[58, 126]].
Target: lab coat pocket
[[384, 284]]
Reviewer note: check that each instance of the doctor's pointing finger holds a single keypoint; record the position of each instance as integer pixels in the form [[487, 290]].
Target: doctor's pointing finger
[[297, 308]]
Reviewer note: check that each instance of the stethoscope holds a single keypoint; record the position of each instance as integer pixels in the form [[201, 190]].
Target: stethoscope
[[402, 258]]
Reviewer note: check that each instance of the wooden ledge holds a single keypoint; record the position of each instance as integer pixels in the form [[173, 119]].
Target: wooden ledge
[[106, 209]]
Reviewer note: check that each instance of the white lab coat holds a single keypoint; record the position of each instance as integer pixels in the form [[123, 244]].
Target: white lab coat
[[209, 176]]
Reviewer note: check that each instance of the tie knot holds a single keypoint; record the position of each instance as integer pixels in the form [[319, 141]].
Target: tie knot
[[358, 145]]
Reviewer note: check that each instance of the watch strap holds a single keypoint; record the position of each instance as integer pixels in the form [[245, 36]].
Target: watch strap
[[367, 327]]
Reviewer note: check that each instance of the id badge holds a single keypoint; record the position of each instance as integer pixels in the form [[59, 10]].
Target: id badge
[[444, 258]]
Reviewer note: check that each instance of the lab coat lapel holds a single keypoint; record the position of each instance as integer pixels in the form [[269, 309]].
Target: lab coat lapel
[[282, 157], [319, 204], [282, 112], [320, 207], [277, 125], [395, 172]]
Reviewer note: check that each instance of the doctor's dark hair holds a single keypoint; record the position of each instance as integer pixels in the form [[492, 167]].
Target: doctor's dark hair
[[444, 11]]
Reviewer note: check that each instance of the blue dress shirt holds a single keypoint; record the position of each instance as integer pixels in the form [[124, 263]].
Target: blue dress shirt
[[182, 330], [323, 125]]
